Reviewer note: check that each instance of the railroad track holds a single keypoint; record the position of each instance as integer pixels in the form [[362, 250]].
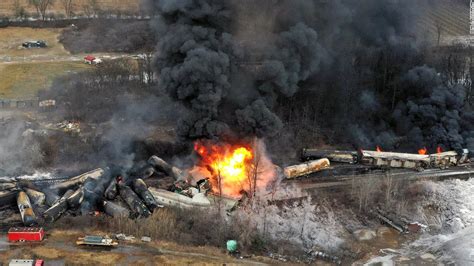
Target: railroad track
[[333, 178]]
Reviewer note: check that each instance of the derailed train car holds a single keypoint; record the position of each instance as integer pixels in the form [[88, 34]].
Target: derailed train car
[[418, 162], [337, 156]]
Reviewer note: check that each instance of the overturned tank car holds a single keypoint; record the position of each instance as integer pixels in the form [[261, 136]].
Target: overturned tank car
[[350, 157], [413, 161]]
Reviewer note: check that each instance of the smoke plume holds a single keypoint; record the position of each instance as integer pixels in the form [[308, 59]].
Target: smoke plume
[[230, 62], [201, 64], [20, 146]]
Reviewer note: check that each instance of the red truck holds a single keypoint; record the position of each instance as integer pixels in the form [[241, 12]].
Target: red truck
[[23, 234]]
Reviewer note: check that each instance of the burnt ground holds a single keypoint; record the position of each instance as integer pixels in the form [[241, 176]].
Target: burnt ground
[[109, 36]]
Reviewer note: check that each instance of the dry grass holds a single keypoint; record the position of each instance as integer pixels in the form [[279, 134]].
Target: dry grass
[[191, 227], [11, 39], [6, 6], [22, 81]]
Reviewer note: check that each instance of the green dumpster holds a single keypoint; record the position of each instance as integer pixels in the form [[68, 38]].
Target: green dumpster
[[231, 245]]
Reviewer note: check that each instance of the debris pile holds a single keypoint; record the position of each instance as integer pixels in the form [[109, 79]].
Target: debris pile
[[419, 161], [100, 191], [69, 126], [104, 241]]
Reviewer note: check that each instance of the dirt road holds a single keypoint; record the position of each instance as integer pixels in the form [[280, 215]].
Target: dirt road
[[59, 58], [59, 248]]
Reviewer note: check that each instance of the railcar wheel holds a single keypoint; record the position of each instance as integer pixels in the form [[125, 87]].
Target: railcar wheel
[[420, 169]]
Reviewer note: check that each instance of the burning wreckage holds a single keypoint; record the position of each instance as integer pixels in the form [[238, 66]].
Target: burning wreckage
[[216, 181], [223, 176], [45, 200], [382, 159], [315, 160]]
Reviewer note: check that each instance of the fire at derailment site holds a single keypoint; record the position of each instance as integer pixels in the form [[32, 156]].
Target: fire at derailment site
[[216, 132]]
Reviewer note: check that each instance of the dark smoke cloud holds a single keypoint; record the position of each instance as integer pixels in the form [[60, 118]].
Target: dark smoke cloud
[[194, 60], [296, 57], [258, 119], [199, 57], [431, 114], [433, 108], [230, 62]]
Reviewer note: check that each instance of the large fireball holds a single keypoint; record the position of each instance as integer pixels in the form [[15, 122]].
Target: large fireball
[[229, 166]]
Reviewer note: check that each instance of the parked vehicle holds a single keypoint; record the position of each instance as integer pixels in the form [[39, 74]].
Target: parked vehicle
[[35, 44]]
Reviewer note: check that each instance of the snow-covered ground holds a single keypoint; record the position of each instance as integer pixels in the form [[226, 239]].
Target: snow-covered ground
[[448, 209], [311, 223], [454, 242], [457, 248], [454, 201]]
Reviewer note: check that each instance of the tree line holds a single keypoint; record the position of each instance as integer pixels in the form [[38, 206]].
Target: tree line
[[70, 9]]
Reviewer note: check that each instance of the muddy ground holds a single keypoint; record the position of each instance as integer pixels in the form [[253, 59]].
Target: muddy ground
[[59, 248]]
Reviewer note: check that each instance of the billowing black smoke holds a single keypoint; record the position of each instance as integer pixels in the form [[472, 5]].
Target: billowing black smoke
[[356, 68], [431, 114], [200, 64], [195, 60]]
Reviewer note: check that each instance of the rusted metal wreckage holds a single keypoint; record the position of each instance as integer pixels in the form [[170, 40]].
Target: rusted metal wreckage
[[418, 162], [46, 200], [103, 241], [350, 157], [318, 160], [306, 168]]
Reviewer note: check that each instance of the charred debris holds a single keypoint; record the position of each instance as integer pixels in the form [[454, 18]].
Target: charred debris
[[386, 160], [43, 201], [319, 160], [128, 195]]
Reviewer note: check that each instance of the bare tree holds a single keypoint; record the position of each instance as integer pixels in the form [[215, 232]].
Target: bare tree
[[41, 6], [145, 64], [91, 8], [35, 3], [390, 189], [469, 90], [364, 191], [67, 5], [18, 10]]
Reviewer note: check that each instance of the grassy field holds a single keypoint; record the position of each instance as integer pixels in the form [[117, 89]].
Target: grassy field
[[25, 71], [22, 81], [11, 39]]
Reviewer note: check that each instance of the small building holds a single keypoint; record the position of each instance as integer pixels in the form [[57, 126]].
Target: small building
[[19, 262], [23, 234], [92, 60]]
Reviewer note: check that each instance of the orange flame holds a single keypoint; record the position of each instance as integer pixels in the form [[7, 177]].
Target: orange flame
[[423, 151], [439, 149], [378, 148], [229, 166]]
